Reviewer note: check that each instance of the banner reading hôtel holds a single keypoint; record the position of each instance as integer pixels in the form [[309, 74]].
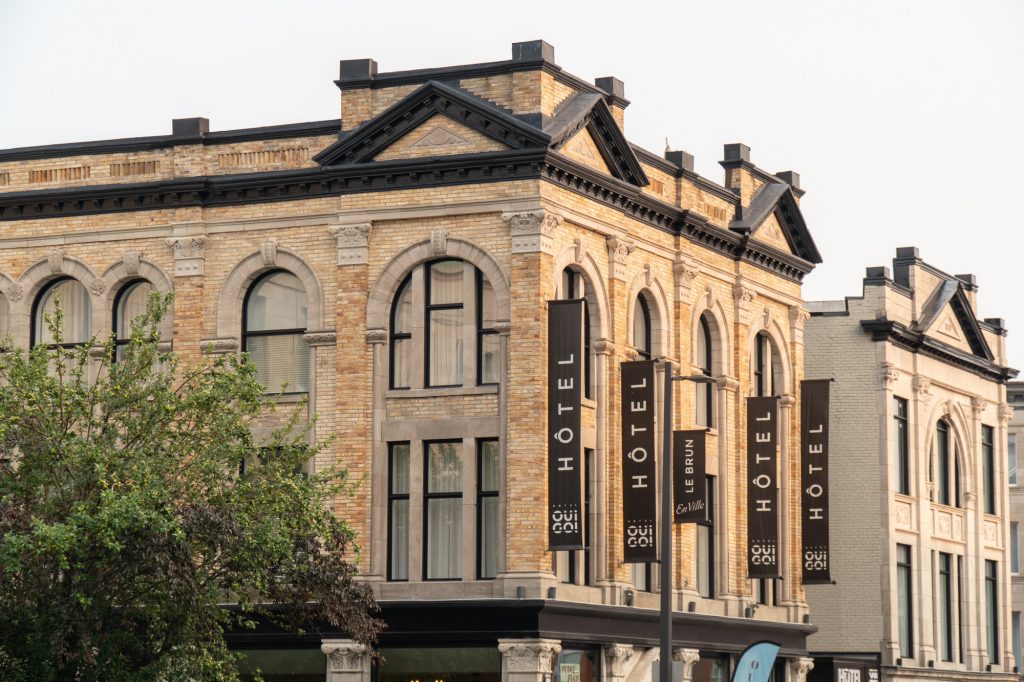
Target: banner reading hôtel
[[814, 481], [762, 488], [639, 473], [565, 452]]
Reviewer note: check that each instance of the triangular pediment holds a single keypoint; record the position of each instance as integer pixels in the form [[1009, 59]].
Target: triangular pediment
[[948, 318], [476, 117], [774, 211], [439, 136], [604, 140]]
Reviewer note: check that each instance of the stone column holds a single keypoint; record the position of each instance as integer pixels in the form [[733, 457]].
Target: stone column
[[689, 658], [347, 660], [797, 669], [528, 660]]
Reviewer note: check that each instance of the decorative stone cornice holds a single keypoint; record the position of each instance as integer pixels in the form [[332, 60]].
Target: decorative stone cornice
[[890, 373], [189, 255], [268, 250], [617, 658], [685, 271], [533, 231], [344, 656], [799, 667], [353, 241], [529, 655], [132, 260], [619, 249], [324, 338], [55, 260], [15, 292], [376, 336], [219, 346]]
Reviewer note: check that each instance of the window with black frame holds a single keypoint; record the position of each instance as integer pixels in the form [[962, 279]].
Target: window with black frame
[[129, 304], [767, 366], [398, 511], [488, 341], [706, 544], [488, 521], [273, 326], [899, 420], [988, 465], [444, 319], [442, 514], [75, 307], [573, 287], [945, 599], [401, 336], [703, 358], [905, 599], [992, 610], [642, 327], [946, 467]]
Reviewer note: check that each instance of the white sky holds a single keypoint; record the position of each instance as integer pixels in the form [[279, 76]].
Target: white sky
[[904, 118]]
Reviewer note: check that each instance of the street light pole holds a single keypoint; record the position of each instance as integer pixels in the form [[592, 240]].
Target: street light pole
[[665, 664]]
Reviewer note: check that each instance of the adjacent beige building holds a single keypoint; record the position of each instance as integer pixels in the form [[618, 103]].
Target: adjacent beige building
[[921, 516], [1015, 440]]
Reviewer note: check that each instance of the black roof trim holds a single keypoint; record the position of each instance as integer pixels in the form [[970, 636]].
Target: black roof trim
[[777, 199], [461, 169], [432, 98], [142, 144], [591, 112], [762, 175], [901, 335], [951, 292], [700, 181]]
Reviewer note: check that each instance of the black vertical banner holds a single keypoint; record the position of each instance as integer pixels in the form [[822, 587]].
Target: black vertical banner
[[565, 452], [689, 469], [762, 488], [814, 481], [639, 471]]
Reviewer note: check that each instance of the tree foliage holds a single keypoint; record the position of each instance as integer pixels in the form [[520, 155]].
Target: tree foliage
[[127, 524]]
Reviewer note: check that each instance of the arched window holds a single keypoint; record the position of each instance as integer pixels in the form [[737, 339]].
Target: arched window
[[702, 358], [767, 366], [947, 467], [74, 302], [456, 311], [272, 329], [642, 327], [573, 287], [130, 303]]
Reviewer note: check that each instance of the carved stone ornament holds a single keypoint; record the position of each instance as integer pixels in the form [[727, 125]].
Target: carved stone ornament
[[219, 346], [685, 271], [648, 275], [604, 346], [617, 657], [619, 249], [798, 316], [580, 250], [923, 388], [97, 352], [376, 336], [344, 657], [353, 241], [728, 383], [689, 658], [945, 407], [97, 286], [132, 260], [503, 327], [55, 260], [1005, 413], [977, 405], [325, 338], [529, 656], [268, 250], [743, 295], [799, 667], [189, 254], [439, 242], [890, 374], [767, 317], [15, 292], [532, 231]]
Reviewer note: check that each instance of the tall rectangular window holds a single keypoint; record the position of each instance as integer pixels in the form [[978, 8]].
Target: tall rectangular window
[[398, 511], [706, 545], [942, 462], [1014, 549], [902, 446], [960, 600], [988, 465], [488, 528], [442, 517], [905, 592], [488, 341], [444, 323], [992, 610], [1011, 456], [945, 597], [1015, 618]]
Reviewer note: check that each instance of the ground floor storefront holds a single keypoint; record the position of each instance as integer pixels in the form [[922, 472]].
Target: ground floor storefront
[[523, 640]]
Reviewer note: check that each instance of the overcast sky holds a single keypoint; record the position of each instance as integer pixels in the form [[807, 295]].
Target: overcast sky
[[903, 118]]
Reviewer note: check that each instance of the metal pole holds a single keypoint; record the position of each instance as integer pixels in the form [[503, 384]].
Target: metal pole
[[665, 665]]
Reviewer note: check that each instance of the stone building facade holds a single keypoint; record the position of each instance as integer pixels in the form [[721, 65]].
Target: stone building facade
[[920, 501], [399, 261], [1015, 440]]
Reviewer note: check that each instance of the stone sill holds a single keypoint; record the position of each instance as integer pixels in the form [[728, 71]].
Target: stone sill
[[398, 393]]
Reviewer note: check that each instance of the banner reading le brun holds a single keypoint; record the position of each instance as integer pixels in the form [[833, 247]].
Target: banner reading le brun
[[762, 488], [565, 452], [689, 471], [814, 396], [639, 472]]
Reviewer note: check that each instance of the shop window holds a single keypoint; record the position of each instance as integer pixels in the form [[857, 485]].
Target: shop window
[[272, 329], [439, 664], [76, 308], [488, 520], [281, 665], [577, 665], [130, 303], [703, 358], [442, 500]]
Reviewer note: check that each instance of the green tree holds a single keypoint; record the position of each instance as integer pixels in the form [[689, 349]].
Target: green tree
[[127, 523]]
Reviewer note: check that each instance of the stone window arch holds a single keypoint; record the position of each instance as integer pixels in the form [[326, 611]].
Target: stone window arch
[[123, 275], [646, 292], [129, 303], [76, 307], [24, 294], [948, 471]]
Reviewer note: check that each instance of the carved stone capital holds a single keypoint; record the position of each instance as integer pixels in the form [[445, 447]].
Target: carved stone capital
[[604, 346], [685, 271], [503, 327], [529, 655], [345, 656], [922, 387], [619, 249], [353, 243], [55, 260], [132, 260], [532, 231], [324, 338], [630, 354], [743, 295], [268, 250], [728, 383], [799, 667], [15, 292], [890, 373], [689, 658], [376, 336], [617, 658], [787, 400], [798, 315], [97, 352], [218, 346], [1005, 413], [977, 405], [189, 255]]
